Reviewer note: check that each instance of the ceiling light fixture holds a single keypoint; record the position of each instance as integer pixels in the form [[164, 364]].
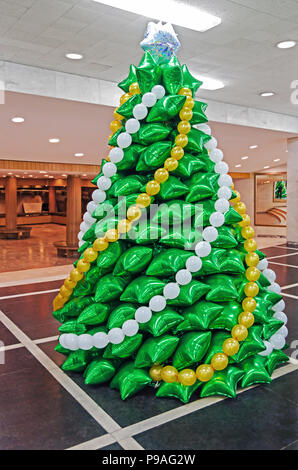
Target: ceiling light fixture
[[54, 141], [265, 167], [211, 84], [238, 166], [253, 147], [79, 154], [244, 158], [267, 93], [276, 160], [17, 119], [170, 11], [42, 172], [73, 56], [286, 44]]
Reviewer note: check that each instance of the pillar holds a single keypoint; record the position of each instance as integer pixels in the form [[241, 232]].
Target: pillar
[[11, 203], [52, 199], [292, 200], [73, 210]]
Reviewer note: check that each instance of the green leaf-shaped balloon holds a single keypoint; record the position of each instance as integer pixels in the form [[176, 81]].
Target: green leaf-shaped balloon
[[60, 349], [108, 258], [198, 111], [174, 212], [142, 289], [162, 322], [172, 77], [185, 239], [225, 238], [110, 287], [125, 349], [189, 81], [168, 262], [199, 316], [216, 343], [201, 186], [274, 359], [232, 217], [189, 165], [255, 371], [106, 209], [223, 382], [130, 380], [89, 236], [134, 260], [252, 345], [196, 140], [166, 108], [155, 132], [148, 73], [156, 350], [228, 317], [126, 109], [172, 188], [73, 307], [94, 314], [146, 234], [271, 327], [210, 264], [99, 371], [132, 78], [128, 185], [120, 314], [72, 326], [222, 288], [191, 349], [83, 288], [190, 294], [177, 390], [102, 226], [231, 262], [154, 156], [76, 361], [113, 140], [131, 156]]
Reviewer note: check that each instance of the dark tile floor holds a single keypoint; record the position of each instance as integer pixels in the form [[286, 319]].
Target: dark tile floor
[[40, 408]]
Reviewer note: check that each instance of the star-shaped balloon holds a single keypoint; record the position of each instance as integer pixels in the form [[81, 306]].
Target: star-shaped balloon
[[274, 359], [177, 390], [223, 382], [76, 361], [255, 371], [132, 78], [252, 345], [217, 340], [271, 327], [192, 348], [199, 316], [130, 380], [228, 318], [161, 41], [189, 81], [172, 75], [99, 371], [156, 350], [148, 73]]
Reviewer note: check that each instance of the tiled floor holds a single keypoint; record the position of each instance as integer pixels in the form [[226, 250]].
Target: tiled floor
[[43, 408]]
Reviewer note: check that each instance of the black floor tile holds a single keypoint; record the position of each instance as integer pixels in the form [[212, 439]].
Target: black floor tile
[[291, 291], [16, 360], [24, 288], [256, 419], [114, 446], [291, 311], [36, 412], [286, 387], [276, 251], [6, 337], [293, 446], [284, 274]]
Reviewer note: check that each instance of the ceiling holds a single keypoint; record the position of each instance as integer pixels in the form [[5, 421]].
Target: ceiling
[[84, 128], [240, 51]]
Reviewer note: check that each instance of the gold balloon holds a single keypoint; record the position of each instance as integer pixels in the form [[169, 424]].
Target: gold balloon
[[116, 115], [204, 372], [133, 213], [112, 235], [155, 372], [249, 304], [171, 164], [58, 302], [247, 232], [90, 255], [185, 114], [124, 226], [219, 361], [76, 275], [187, 377], [251, 289], [125, 97], [246, 319], [230, 346], [161, 175], [169, 374], [250, 245], [189, 102], [65, 292], [177, 152], [134, 89], [181, 140], [69, 284], [185, 92], [252, 273], [245, 222], [235, 199], [100, 244], [83, 266], [232, 186], [239, 332], [252, 259], [184, 127], [143, 200], [152, 188], [240, 207], [115, 125]]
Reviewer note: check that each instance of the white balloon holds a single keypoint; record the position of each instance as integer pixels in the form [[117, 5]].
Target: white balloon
[[100, 340], [91, 206], [171, 290], [116, 155], [158, 91], [274, 287], [283, 331], [132, 126], [277, 341], [263, 264], [71, 342], [140, 111], [81, 243], [217, 219], [222, 205], [124, 140], [216, 155], [194, 264], [204, 128], [183, 277], [143, 314], [116, 336], [149, 99], [211, 144], [268, 350], [104, 183], [224, 192], [109, 169], [80, 235], [62, 340], [84, 227], [99, 196], [269, 274], [281, 316], [279, 307], [85, 342], [203, 249], [222, 168], [210, 234], [157, 303], [225, 180], [88, 218], [130, 327]]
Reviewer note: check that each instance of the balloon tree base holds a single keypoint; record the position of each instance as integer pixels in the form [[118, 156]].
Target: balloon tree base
[[18, 233]]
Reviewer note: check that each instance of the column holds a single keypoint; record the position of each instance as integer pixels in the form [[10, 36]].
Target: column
[[292, 200], [73, 210], [11, 203], [52, 199]]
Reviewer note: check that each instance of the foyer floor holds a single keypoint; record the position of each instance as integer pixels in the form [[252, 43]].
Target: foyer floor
[[43, 408]]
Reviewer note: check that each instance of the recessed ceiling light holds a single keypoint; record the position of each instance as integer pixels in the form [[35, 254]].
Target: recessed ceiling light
[[42, 172], [74, 56], [79, 154], [9, 173], [244, 158], [54, 141], [210, 83], [84, 174], [64, 175], [237, 166], [276, 160], [170, 11], [253, 147], [286, 44], [30, 176], [265, 167], [18, 119], [51, 176], [267, 93]]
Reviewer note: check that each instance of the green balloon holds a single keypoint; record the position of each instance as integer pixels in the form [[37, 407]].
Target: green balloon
[[223, 382], [172, 188], [76, 361], [131, 156], [107, 259], [172, 76], [148, 73], [99, 371], [201, 186], [174, 212], [120, 314], [232, 217], [252, 345], [255, 371], [276, 358], [125, 349], [154, 156], [73, 307], [217, 340], [126, 109], [113, 140], [142, 289], [84, 247], [225, 238], [110, 287], [198, 111], [130, 380], [196, 140], [156, 350], [168, 262], [106, 209], [132, 78], [263, 312], [134, 260], [127, 185], [222, 288], [60, 349], [72, 326], [199, 316], [166, 108], [146, 234], [228, 317], [192, 348], [89, 236], [177, 390], [190, 294], [271, 327], [189, 165], [94, 314], [83, 288], [189, 81], [185, 240], [263, 281], [210, 264], [162, 322], [102, 226], [155, 132], [231, 262]]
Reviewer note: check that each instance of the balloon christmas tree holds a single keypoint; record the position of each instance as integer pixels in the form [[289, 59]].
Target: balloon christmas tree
[[181, 301]]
